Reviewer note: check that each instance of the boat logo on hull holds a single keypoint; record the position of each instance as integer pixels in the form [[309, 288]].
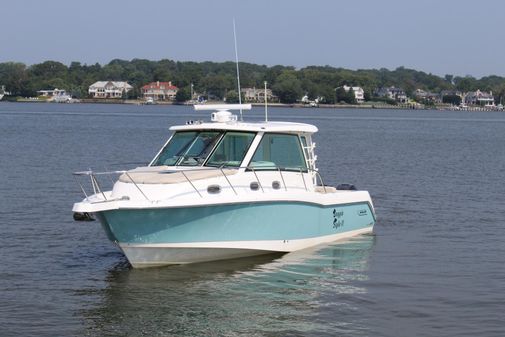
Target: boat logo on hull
[[338, 220], [362, 212]]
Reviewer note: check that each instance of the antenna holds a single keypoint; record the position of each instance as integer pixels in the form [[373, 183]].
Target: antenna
[[266, 104], [238, 73]]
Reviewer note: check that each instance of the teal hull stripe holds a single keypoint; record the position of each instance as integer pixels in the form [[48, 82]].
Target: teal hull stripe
[[234, 222]]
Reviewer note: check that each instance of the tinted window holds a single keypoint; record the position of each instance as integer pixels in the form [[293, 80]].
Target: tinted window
[[279, 150], [188, 148], [200, 148], [232, 149], [173, 150]]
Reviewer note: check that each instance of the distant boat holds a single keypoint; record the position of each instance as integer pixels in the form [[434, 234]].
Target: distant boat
[[149, 101], [463, 106], [63, 98], [1, 96]]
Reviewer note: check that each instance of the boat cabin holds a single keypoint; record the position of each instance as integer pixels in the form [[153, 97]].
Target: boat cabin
[[228, 143]]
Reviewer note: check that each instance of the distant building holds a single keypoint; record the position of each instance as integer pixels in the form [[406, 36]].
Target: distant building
[[159, 91], [451, 93], [392, 93], [479, 98], [257, 95], [427, 96], [51, 92], [109, 89], [359, 93]]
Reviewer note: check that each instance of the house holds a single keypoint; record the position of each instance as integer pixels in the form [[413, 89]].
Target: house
[[159, 91], [359, 93], [427, 96], [52, 92], [479, 98], [451, 93], [257, 95], [392, 93], [109, 89]]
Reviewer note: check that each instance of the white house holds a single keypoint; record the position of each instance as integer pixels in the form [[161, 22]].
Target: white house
[[427, 96], [392, 93], [359, 93], [257, 95], [480, 98], [109, 89]]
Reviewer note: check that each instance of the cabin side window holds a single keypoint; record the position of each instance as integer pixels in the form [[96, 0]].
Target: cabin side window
[[231, 150], [282, 151]]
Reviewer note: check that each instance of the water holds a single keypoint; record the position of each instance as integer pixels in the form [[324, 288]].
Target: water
[[434, 268]]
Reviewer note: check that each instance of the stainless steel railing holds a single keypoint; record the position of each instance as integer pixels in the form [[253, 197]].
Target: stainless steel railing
[[97, 188]]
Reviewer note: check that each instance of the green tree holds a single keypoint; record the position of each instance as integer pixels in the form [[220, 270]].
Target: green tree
[[451, 99], [288, 88], [467, 83], [183, 95], [340, 95], [49, 69], [232, 96], [327, 95], [216, 79], [351, 97], [14, 77]]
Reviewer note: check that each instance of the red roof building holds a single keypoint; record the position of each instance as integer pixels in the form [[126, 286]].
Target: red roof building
[[162, 91]]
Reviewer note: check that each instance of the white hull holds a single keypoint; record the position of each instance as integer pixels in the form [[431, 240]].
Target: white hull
[[152, 255]]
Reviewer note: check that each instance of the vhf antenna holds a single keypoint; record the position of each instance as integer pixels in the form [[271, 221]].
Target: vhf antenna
[[238, 73]]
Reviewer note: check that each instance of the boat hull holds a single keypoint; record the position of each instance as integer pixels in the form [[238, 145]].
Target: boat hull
[[163, 236]]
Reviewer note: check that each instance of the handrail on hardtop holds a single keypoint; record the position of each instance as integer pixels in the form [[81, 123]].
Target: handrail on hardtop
[[98, 190]]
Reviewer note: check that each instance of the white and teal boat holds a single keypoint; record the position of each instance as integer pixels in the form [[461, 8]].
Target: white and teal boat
[[225, 189]]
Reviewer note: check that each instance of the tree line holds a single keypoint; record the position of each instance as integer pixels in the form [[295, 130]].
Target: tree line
[[218, 79]]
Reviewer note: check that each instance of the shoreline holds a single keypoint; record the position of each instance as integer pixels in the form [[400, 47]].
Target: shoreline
[[378, 105]]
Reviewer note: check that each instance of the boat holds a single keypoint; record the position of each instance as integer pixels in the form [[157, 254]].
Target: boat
[[225, 189], [61, 98], [463, 106]]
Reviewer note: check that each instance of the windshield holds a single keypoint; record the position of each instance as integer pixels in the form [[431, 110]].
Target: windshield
[[188, 148]]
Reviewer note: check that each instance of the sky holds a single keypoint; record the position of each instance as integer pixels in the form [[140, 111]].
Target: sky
[[458, 37]]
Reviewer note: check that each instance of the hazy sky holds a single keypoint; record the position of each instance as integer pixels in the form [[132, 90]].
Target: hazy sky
[[457, 37]]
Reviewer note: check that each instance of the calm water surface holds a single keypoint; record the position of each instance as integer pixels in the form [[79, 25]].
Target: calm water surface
[[435, 266]]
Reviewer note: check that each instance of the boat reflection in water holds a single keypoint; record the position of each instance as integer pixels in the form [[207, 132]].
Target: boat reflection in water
[[268, 294]]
